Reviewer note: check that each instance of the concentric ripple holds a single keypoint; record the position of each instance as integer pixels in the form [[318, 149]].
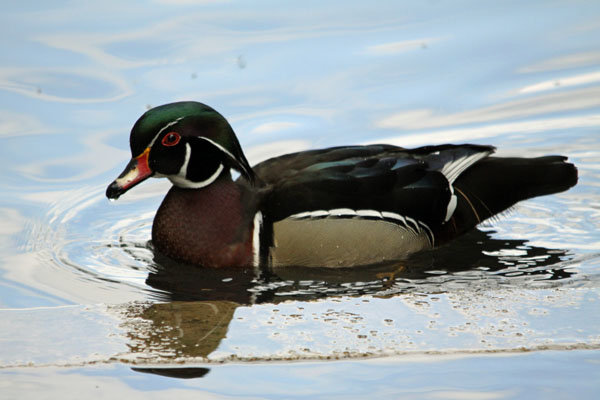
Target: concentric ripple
[[101, 251]]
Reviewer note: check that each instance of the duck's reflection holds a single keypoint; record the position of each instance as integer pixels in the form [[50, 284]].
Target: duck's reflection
[[178, 330], [196, 305], [181, 373]]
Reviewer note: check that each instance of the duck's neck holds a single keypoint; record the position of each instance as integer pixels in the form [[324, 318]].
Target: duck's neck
[[207, 226]]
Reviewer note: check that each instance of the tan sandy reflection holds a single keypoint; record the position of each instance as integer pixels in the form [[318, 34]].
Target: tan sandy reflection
[[177, 329]]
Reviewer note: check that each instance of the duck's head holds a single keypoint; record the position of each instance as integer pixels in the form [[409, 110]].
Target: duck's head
[[187, 142]]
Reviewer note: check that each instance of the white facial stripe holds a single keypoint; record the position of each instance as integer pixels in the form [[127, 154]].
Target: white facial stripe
[[167, 126], [257, 225], [224, 150], [218, 146]]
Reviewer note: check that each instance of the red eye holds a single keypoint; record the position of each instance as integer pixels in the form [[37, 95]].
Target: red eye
[[171, 139]]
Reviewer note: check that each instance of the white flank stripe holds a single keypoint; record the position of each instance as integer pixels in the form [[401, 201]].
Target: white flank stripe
[[412, 221], [430, 236], [393, 215], [338, 212], [257, 225], [369, 213], [409, 223], [304, 214]]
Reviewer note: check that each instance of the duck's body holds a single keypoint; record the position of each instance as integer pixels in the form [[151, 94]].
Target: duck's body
[[342, 206]]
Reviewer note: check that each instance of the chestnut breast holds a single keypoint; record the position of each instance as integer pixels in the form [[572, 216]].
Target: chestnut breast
[[204, 226]]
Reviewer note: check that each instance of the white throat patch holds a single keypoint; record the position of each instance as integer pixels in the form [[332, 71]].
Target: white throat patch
[[180, 179]]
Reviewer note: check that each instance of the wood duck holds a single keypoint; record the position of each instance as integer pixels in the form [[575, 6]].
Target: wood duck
[[340, 206]]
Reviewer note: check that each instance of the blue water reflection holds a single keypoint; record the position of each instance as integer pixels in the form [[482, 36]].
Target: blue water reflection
[[524, 77]]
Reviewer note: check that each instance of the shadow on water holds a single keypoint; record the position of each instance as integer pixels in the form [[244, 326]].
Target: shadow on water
[[196, 305], [469, 260]]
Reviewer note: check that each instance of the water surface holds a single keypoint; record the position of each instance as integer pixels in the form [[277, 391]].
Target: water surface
[[83, 296]]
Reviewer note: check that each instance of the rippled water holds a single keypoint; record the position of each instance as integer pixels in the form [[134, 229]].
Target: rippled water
[[82, 293]]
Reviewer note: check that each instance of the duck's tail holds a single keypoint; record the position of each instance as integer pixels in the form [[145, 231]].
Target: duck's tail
[[495, 184]]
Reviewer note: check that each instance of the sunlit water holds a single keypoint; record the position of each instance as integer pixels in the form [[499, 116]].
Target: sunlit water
[[81, 286]]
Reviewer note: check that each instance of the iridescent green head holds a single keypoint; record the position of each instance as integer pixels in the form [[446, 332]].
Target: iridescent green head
[[188, 142]]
